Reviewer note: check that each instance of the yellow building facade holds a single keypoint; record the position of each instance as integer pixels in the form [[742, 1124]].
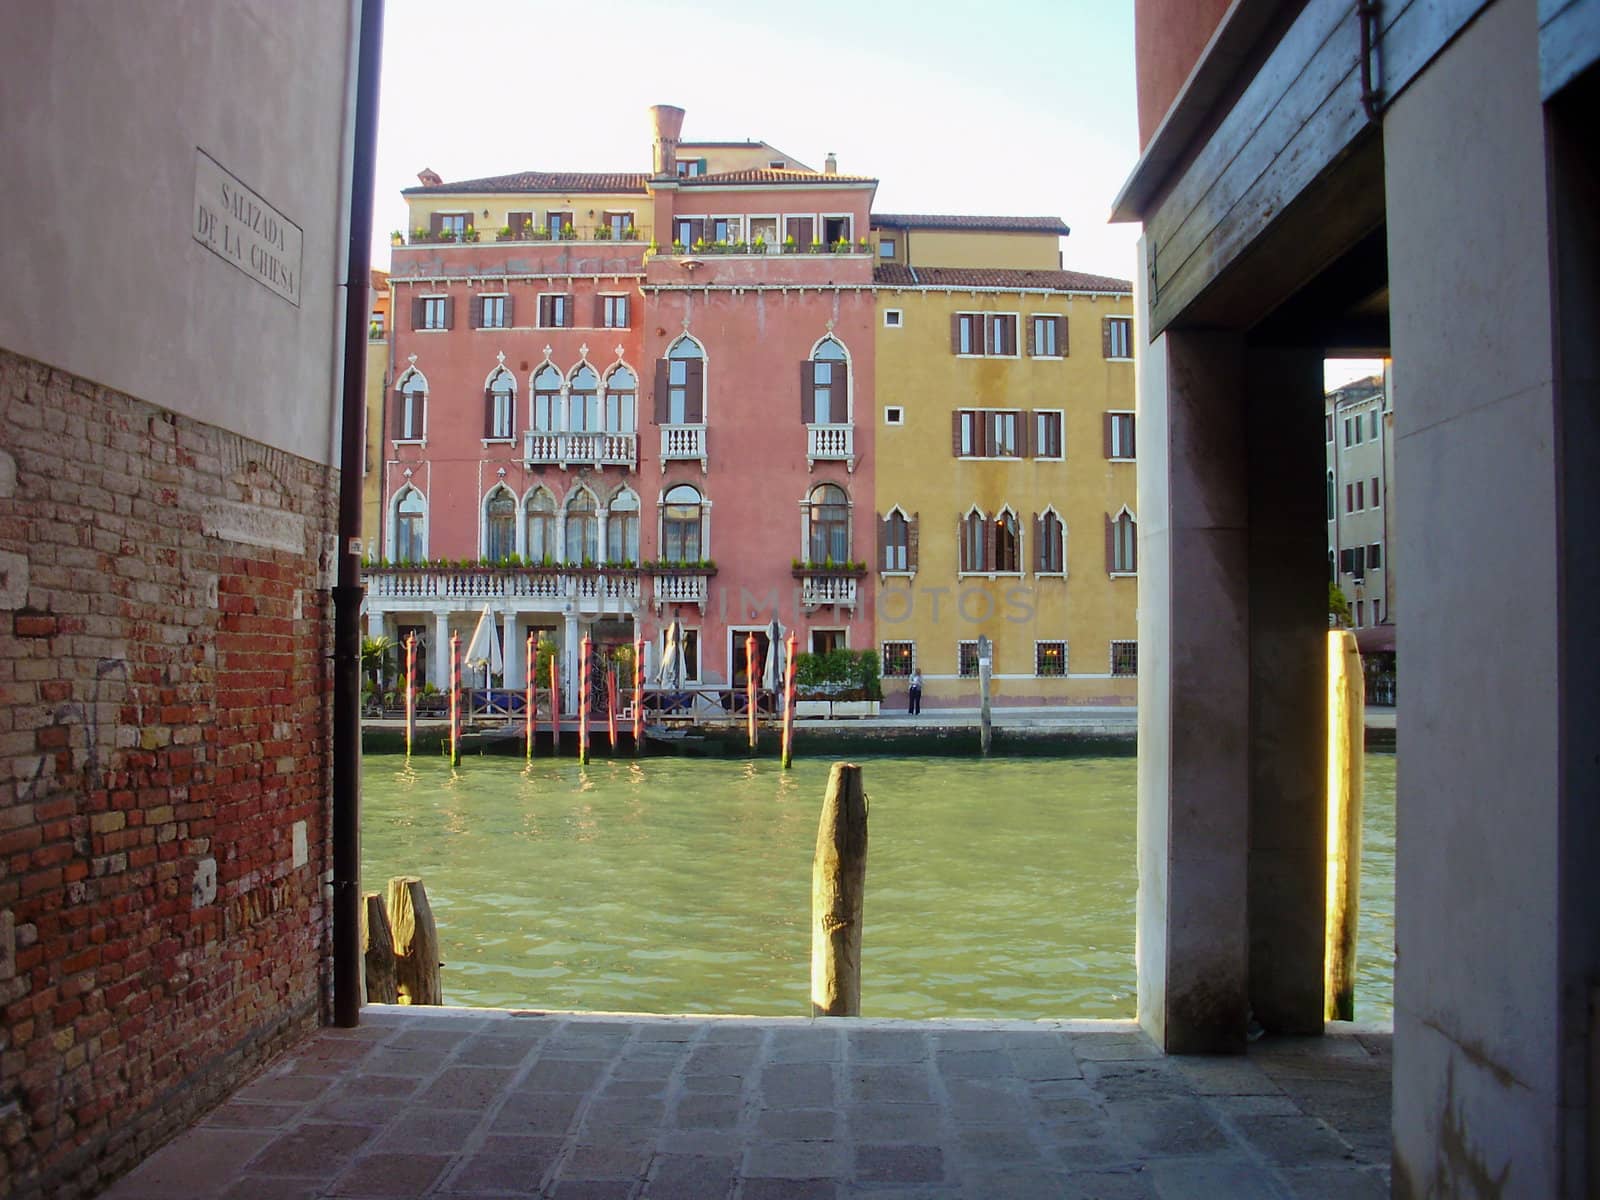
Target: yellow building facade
[[379, 327], [1005, 478]]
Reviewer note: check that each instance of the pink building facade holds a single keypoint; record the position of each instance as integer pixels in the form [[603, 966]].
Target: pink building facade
[[647, 398]]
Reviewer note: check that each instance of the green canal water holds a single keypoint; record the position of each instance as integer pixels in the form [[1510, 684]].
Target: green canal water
[[999, 889]]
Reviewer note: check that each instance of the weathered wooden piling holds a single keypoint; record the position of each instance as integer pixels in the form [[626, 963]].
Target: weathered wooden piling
[[638, 690], [411, 691], [555, 707], [838, 884], [985, 678], [788, 702], [1346, 761], [529, 692], [377, 949], [611, 706], [416, 941], [584, 650], [750, 686]]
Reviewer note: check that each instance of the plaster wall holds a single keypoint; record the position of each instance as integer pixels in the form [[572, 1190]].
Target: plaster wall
[[977, 248], [499, 206], [172, 322], [918, 471], [1477, 1062]]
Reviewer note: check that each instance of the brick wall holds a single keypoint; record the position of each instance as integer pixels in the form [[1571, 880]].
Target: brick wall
[[164, 731]]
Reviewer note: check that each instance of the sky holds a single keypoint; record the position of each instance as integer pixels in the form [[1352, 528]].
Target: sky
[[1011, 107], [1005, 108]]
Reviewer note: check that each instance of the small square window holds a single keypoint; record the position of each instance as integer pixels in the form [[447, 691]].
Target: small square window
[[885, 247], [893, 318], [1124, 658], [969, 659], [1050, 659], [893, 415], [433, 313], [899, 658]]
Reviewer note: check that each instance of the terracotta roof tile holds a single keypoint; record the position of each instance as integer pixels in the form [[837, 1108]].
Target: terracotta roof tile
[[967, 221], [771, 175], [540, 181], [898, 275]]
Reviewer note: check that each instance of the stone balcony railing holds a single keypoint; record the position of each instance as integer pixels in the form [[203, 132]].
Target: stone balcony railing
[[683, 443], [820, 589], [831, 443], [681, 587], [471, 585], [581, 449]]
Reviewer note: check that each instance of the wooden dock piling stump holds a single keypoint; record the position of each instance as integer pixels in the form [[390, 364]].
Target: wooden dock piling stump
[[416, 941], [838, 885], [1346, 759], [377, 948]]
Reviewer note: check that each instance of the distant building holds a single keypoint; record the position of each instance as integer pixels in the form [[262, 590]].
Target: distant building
[[380, 328], [1358, 422], [621, 400]]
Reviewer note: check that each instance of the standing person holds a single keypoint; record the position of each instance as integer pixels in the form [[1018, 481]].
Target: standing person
[[916, 691]]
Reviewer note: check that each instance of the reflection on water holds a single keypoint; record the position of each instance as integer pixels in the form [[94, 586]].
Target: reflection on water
[[999, 889]]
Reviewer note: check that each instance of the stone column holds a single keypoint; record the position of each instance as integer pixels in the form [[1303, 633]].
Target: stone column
[[515, 652], [571, 636], [1288, 608], [1494, 958], [439, 652], [1194, 687]]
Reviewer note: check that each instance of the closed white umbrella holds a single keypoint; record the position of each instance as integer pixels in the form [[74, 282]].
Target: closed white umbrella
[[772, 669], [484, 648], [672, 657]]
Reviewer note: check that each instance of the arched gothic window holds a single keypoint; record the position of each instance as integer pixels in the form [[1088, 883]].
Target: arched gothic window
[[499, 526], [540, 530], [410, 527], [681, 525], [830, 525], [622, 528], [583, 528]]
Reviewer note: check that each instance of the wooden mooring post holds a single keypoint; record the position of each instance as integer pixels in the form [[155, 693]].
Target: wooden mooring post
[[1346, 762], [985, 679], [529, 692], [584, 650], [377, 949], [411, 691], [750, 687], [788, 702], [838, 885], [416, 941], [455, 699]]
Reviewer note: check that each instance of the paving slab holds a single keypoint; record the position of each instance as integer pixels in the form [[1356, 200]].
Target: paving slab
[[456, 1104]]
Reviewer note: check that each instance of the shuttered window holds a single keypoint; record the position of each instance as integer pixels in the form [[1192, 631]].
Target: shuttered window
[[1049, 540], [1047, 435], [991, 334], [1122, 544], [680, 385], [1117, 337], [1119, 435], [986, 433], [555, 311], [499, 406], [432, 312], [1047, 336], [825, 386], [897, 542], [493, 312]]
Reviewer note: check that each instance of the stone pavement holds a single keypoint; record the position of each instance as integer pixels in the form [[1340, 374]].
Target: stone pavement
[[477, 1105]]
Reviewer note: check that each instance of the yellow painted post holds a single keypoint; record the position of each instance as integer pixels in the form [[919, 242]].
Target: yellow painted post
[[1346, 755], [638, 690], [788, 702], [838, 887], [611, 706]]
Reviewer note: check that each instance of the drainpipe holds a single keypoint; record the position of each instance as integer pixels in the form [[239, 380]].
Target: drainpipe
[[347, 964]]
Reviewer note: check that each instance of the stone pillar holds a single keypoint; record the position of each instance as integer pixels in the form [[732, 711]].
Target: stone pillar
[[515, 652], [1194, 653], [1495, 940], [439, 652], [1288, 607], [571, 637]]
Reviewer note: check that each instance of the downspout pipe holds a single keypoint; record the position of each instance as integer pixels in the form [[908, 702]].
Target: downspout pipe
[[347, 962]]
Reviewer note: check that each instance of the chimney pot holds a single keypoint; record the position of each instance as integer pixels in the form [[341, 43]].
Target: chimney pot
[[830, 165], [667, 122]]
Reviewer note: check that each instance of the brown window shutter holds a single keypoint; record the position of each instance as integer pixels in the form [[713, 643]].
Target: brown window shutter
[[695, 386], [1030, 438], [912, 539], [435, 223], [955, 333], [841, 396], [475, 311], [566, 310], [416, 312], [989, 528], [488, 412], [397, 413], [509, 321], [1061, 328], [1133, 432], [1133, 548], [449, 312], [955, 433], [1111, 544], [661, 412], [599, 311], [883, 543], [808, 394], [1038, 543], [1105, 337], [1106, 429], [1032, 350]]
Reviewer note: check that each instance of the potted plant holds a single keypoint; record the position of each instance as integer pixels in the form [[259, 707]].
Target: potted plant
[[568, 233], [816, 245], [504, 235], [788, 245], [471, 234], [397, 238], [602, 233], [630, 234]]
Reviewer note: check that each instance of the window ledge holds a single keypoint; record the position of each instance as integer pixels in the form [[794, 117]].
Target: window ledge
[[1049, 574], [989, 575], [1050, 358], [991, 458], [1049, 458], [1116, 359], [409, 441], [1121, 458], [1123, 574], [505, 441], [897, 574], [440, 329]]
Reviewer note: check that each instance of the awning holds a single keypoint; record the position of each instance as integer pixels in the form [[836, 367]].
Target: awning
[[1375, 639]]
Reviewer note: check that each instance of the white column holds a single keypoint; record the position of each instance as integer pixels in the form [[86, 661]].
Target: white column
[[439, 652], [516, 654], [569, 661]]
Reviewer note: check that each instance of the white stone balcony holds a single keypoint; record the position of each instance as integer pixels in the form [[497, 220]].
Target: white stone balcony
[[831, 443], [392, 588], [816, 591], [683, 443], [581, 449], [673, 587]]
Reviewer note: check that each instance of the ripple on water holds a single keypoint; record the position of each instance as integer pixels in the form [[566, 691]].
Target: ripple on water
[[998, 889]]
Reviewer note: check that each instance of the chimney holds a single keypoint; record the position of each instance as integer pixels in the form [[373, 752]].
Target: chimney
[[429, 177], [830, 165], [668, 123]]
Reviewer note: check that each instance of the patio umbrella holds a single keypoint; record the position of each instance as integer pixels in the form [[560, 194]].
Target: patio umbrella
[[772, 669], [484, 649], [672, 657]]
